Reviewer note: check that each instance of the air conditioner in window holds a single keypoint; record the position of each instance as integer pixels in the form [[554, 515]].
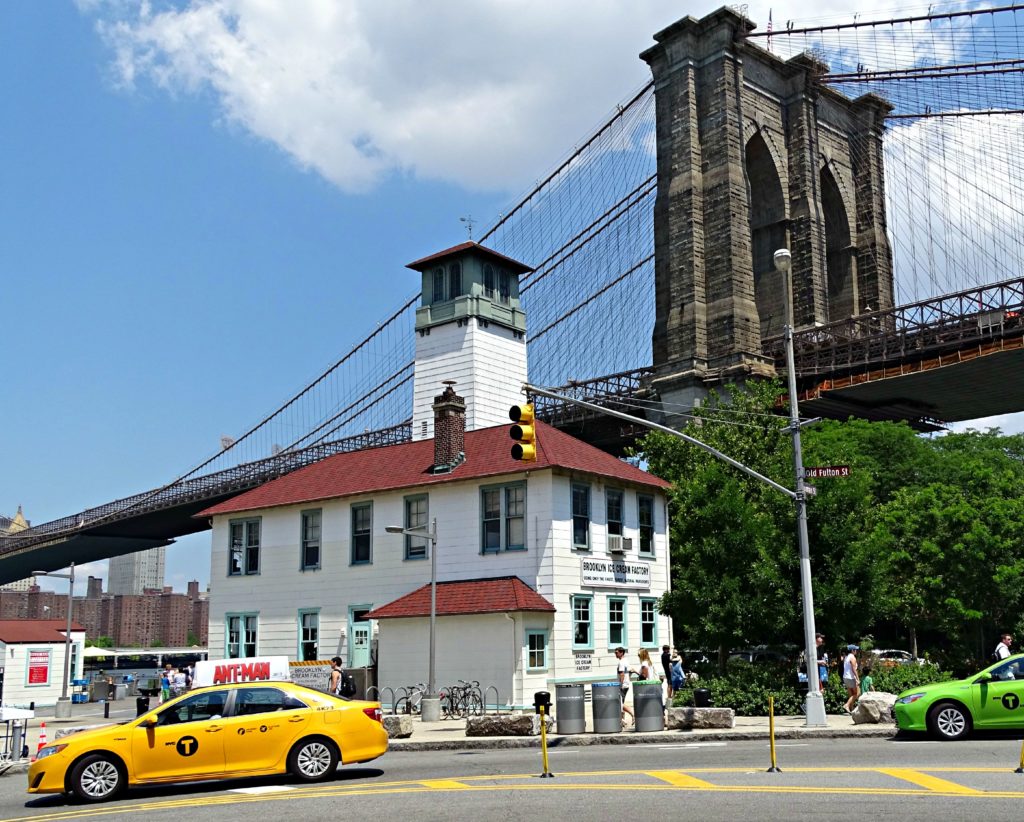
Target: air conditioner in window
[[618, 544]]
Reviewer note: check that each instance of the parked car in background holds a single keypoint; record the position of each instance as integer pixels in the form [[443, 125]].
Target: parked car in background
[[892, 657], [755, 655]]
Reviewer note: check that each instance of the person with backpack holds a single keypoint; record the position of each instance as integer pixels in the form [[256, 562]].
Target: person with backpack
[[1002, 650], [341, 683]]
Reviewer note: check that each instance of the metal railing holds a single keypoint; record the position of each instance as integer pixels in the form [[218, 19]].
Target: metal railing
[[952, 322], [607, 390]]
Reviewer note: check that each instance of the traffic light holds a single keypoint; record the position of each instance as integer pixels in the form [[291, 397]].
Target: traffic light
[[523, 432]]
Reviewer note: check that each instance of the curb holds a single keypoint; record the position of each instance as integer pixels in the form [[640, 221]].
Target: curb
[[586, 740]]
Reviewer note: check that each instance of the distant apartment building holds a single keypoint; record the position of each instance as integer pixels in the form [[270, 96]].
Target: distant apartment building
[[152, 618], [8, 526], [136, 573]]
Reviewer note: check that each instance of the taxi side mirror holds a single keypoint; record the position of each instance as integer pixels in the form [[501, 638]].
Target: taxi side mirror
[[985, 677], [148, 722]]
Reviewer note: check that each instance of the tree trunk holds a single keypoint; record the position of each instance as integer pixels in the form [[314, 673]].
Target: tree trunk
[[913, 641]]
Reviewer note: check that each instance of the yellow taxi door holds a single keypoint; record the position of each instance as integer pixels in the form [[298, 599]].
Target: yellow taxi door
[[264, 722], [186, 741]]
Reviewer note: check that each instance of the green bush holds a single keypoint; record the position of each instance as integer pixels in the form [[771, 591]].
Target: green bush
[[745, 687]]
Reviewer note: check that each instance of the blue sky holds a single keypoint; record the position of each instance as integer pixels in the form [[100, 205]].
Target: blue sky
[[205, 204]]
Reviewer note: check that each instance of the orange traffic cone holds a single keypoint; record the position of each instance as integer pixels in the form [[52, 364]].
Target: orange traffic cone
[[42, 738]]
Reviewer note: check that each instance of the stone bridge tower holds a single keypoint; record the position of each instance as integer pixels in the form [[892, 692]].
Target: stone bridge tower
[[755, 154]]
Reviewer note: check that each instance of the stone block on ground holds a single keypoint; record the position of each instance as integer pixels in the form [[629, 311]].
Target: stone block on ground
[[398, 726], [506, 725], [687, 719], [874, 707]]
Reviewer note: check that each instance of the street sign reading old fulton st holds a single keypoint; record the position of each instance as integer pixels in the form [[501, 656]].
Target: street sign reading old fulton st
[[827, 471]]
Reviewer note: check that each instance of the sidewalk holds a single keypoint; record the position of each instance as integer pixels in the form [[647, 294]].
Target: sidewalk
[[451, 734]]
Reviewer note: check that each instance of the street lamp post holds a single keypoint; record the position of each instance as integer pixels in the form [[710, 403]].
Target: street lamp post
[[815, 702], [430, 705], [63, 707]]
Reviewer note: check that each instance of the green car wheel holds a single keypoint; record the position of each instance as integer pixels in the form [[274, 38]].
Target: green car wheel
[[947, 720]]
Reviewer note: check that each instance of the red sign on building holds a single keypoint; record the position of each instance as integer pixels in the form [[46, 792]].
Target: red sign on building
[[38, 667]]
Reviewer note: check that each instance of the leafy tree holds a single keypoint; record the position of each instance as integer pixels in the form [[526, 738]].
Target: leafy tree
[[103, 642]]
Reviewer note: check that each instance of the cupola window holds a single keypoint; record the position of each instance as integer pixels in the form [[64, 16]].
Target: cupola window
[[438, 285], [489, 281], [454, 281]]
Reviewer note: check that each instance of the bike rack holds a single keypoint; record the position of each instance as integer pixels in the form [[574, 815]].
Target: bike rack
[[394, 697], [497, 698], [372, 692]]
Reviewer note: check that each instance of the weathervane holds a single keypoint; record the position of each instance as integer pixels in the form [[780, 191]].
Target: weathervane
[[469, 221]]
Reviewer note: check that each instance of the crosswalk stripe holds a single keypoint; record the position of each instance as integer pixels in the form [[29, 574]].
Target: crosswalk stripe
[[444, 784], [923, 780], [680, 780]]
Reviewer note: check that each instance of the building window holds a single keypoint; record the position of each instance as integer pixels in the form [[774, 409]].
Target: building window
[[581, 516], [613, 510], [310, 540], [645, 509], [582, 622], [504, 287], [617, 622], [489, 281], [438, 276], [537, 650], [454, 281], [309, 635], [503, 516], [648, 622], [416, 517], [362, 528], [241, 630], [244, 553]]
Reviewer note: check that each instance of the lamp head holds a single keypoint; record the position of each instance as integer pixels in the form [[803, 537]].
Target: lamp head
[[783, 260], [394, 529]]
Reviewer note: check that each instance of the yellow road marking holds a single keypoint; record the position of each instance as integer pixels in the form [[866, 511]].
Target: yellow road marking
[[444, 785], [932, 783], [679, 779]]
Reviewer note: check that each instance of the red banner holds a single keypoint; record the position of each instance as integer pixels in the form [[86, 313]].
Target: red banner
[[38, 667]]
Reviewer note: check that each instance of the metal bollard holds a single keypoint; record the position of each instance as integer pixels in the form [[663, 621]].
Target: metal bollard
[[17, 735], [106, 710]]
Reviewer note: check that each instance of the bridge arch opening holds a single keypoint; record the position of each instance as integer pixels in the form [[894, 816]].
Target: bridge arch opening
[[842, 292], [767, 233]]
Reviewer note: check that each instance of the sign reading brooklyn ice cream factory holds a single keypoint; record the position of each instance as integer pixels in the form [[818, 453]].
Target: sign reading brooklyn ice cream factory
[[615, 573]]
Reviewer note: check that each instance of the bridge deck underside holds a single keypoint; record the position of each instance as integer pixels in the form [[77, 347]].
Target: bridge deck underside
[[137, 533], [950, 391]]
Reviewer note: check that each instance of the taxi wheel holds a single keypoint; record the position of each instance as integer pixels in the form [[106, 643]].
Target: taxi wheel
[[948, 720], [313, 759], [95, 778]]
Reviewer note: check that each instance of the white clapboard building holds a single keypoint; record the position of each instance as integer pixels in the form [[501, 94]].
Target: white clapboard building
[[543, 568]]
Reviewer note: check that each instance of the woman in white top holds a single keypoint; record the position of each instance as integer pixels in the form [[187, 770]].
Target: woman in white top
[[851, 677]]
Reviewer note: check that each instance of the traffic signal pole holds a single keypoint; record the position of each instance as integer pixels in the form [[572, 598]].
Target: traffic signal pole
[[815, 708]]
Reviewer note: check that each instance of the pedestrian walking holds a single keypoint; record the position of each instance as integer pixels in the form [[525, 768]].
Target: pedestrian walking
[[819, 641], [622, 671], [334, 683], [851, 677], [666, 666], [678, 675]]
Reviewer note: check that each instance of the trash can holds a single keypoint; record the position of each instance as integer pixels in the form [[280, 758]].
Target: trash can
[[606, 702], [570, 716], [647, 705], [141, 705], [702, 698]]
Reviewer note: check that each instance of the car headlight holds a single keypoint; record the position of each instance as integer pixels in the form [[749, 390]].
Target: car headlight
[[49, 750], [906, 700]]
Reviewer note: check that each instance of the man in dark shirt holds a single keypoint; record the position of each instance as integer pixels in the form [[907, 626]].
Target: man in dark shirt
[[666, 664]]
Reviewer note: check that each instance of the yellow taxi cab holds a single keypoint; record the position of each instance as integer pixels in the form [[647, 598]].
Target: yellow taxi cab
[[231, 730]]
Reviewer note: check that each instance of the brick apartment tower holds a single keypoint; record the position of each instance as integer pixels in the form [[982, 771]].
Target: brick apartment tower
[[754, 154]]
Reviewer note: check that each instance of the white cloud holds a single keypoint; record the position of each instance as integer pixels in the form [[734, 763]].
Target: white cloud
[[482, 94], [1006, 423]]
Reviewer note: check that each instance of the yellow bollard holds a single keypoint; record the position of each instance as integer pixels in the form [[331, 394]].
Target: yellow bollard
[[544, 744], [1020, 768], [771, 734]]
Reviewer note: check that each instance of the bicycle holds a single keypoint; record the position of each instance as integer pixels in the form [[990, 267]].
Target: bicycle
[[462, 700], [410, 702]]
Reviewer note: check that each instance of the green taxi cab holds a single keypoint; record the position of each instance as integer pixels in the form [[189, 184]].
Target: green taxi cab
[[216, 732], [992, 698]]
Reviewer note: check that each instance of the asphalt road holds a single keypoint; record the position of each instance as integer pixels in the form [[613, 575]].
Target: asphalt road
[[822, 778]]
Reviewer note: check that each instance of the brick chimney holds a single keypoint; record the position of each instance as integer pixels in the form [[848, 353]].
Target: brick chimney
[[449, 429]]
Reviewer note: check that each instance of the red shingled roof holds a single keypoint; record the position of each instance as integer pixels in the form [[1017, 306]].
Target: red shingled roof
[[13, 631], [515, 265], [471, 596], [488, 454]]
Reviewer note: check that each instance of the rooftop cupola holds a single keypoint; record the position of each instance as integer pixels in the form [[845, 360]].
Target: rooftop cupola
[[470, 280], [470, 327]]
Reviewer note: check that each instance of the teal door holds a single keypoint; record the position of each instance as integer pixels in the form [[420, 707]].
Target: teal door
[[359, 650]]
